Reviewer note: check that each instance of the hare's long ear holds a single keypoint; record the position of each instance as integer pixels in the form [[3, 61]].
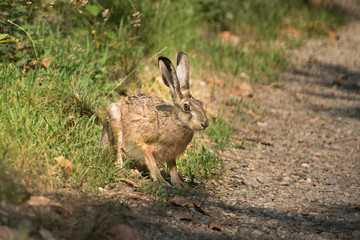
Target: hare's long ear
[[169, 77], [183, 71]]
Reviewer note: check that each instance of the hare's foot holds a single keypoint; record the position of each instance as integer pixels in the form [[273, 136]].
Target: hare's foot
[[175, 180]]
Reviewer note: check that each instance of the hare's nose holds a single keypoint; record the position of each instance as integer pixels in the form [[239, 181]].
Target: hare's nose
[[205, 125]]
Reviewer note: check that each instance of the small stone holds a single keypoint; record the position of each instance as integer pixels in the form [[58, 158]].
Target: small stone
[[356, 234], [308, 180], [272, 223]]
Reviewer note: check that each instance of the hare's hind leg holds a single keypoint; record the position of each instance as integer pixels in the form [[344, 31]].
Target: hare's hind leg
[[106, 136], [114, 113]]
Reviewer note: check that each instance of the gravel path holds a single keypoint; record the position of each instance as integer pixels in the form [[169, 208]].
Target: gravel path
[[300, 178]]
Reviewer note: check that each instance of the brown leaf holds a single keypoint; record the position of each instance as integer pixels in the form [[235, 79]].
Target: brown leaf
[[180, 201], [290, 31], [64, 163], [254, 115], [236, 93], [197, 207], [245, 89], [229, 37], [215, 81], [314, 60], [333, 37], [124, 232], [132, 183], [214, 226], [46, 62], [44, 201]]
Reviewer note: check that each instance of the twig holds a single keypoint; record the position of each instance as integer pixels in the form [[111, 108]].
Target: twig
[[32, 41]]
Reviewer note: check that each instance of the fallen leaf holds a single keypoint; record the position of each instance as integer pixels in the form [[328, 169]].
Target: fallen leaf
[[180, 201], [254, 115], [38, 201], [229, 37], [313, 59], [290, 31], [124, 232], [245, 89], [333, 37], [184, 216], [197, 207], [132, 183], [215, 81], [64, 163], [46, 62], [239, 143], [236, 93], [214, 226]]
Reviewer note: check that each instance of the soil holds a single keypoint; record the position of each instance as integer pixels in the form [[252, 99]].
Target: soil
[[294, 175]]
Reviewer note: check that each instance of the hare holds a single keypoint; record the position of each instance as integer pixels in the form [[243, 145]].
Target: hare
[[144, 127]]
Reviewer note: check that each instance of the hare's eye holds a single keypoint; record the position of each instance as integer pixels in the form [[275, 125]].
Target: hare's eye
[[186, 107]]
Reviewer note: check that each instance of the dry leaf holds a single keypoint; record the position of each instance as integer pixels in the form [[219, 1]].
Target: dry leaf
[[214, 226], [313, 59], [64, 163], [215, 81], [245, 89], [197, 207], [229, 37], [236, 93], [124, 232], [239, 143], [290, 31], [180, 201], [44, 201], [333, 37], [46, 62], [254, 115], [132, 183]]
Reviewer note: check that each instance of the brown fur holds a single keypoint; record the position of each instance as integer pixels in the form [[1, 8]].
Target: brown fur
[[144, 127]]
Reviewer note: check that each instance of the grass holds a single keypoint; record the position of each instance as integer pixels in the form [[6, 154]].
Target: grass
[[56, 110], [219, 133]]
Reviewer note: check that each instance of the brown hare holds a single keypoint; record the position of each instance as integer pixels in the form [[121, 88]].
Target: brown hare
[[144, 127]]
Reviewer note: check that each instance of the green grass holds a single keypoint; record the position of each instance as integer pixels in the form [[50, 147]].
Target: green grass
[[57, 111], [219, 133], [201, 164]]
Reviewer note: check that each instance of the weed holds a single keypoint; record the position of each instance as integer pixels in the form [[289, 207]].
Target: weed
[[200, 164], [219, 132]]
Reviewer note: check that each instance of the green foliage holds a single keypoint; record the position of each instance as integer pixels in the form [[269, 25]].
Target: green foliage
[[219, 132], [201, 164]]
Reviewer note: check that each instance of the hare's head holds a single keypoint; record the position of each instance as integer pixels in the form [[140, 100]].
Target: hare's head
[[188, 112]]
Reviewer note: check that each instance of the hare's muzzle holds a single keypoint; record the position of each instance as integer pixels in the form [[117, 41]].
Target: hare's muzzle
[[205, 124]]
